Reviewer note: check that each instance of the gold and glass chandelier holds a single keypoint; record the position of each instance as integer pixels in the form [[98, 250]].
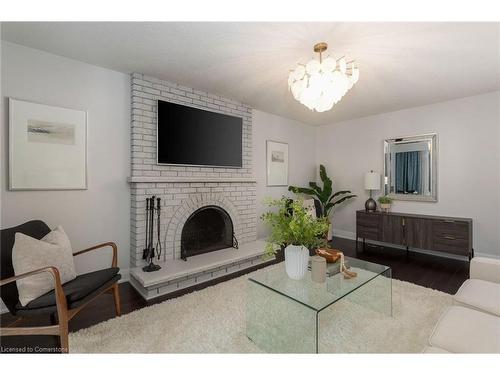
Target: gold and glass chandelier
[[321, 84]]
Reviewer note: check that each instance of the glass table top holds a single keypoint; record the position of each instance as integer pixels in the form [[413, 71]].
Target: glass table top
[[315, 295]]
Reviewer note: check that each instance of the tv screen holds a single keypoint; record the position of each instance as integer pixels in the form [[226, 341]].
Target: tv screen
[[191, 136]]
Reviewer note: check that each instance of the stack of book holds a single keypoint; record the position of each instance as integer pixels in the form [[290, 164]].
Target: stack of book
[[332, 268]]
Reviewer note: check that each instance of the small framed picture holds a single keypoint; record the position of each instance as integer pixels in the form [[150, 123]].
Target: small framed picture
[[47, 147], [277, 163]]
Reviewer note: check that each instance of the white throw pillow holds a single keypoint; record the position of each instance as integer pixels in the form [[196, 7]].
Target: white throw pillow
[[29, 254]]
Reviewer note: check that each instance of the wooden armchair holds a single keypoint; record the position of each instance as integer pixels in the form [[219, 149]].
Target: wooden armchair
[[65, 301]]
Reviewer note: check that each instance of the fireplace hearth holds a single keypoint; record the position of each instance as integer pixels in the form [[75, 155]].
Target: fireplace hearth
[[207, 229]]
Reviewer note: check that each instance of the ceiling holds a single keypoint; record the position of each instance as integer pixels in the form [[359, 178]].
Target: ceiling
[[402, 65]]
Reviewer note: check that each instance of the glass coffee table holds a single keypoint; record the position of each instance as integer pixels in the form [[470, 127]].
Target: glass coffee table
[[284, 315]]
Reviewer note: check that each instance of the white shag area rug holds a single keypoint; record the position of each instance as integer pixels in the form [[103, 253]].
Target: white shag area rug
[[212, 320]]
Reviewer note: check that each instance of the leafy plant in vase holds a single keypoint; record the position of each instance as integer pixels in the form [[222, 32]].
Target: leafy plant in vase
[[295, 230], [385, 203], [325, 195]]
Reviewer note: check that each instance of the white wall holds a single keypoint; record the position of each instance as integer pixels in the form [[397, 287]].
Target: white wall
[[301, 153], [100, 213], [469, 161], [469, 166]]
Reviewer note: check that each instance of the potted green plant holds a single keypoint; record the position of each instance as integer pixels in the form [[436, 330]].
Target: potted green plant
[[295, 230], [325, 195], [385, 202]]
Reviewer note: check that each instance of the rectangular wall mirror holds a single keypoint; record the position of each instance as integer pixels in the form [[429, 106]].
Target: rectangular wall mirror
[[410, 168]]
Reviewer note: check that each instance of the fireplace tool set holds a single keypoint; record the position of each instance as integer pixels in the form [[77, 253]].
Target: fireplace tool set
[[150, 251]]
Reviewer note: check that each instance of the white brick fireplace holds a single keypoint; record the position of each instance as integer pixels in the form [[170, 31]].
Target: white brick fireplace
[[181, 199], [184, 189]]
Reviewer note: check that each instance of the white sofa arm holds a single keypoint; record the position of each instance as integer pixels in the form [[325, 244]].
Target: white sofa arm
[[487, 269]]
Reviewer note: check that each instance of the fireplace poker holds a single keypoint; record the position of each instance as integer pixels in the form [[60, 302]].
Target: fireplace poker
[[158, 223], [151, 267]]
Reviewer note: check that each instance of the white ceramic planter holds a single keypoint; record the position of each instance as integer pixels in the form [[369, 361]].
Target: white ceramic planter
[[296, 261], [385, 207]]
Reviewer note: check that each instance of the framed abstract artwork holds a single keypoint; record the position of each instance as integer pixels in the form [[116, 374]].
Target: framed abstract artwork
[[277, 163], [47, 147]]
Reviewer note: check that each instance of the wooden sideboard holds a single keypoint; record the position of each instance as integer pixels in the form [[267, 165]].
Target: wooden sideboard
[[451, 235]]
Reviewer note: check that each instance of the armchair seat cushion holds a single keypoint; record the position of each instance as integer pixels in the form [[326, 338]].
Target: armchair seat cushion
[[76, 289], [479, 295]]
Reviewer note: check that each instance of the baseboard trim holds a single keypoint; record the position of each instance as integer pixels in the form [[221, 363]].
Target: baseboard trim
[[344, 234], [125, 275], [486, 255]]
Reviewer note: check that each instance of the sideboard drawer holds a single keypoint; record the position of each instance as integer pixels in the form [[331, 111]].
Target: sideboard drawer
[[369, 226], [450, 244], [368, 220], [453, 228], [370, 233]]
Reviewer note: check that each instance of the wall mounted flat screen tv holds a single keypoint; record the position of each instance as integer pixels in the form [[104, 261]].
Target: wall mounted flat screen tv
[[191, 136]]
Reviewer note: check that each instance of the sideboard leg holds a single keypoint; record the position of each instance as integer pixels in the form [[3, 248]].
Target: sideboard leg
[[471, 254]]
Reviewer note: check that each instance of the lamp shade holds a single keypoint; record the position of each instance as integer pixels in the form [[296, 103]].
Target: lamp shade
[[372, 181]]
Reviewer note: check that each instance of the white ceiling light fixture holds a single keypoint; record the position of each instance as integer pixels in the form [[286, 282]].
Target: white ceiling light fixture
[[321, 84]]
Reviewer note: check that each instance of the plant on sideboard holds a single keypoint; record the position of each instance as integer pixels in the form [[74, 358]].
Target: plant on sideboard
[[385, 202], [325, 195], [293, 228]]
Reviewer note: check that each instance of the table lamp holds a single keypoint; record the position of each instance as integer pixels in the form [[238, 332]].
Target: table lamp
[[372, 182]]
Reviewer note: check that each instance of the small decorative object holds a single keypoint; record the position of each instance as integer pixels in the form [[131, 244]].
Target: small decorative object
[[331, 255], [385, 203], [347, 274], [318, 269], [336, 263], [293, 228], [150, 251], [277, 163], [333, 269], [325, 196], [47, 147], [319, 85], [372, 182]]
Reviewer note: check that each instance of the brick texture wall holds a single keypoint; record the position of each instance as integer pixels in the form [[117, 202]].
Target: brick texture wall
[[229, 188]]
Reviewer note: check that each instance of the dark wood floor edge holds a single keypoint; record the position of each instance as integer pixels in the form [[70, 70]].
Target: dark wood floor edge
[[212, 282]]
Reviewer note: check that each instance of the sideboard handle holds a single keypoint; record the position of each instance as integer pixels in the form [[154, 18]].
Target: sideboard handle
[[449, 237], [449, 221]]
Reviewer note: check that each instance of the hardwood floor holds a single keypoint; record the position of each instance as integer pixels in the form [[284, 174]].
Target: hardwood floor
[[434, 272], [444, 274]]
